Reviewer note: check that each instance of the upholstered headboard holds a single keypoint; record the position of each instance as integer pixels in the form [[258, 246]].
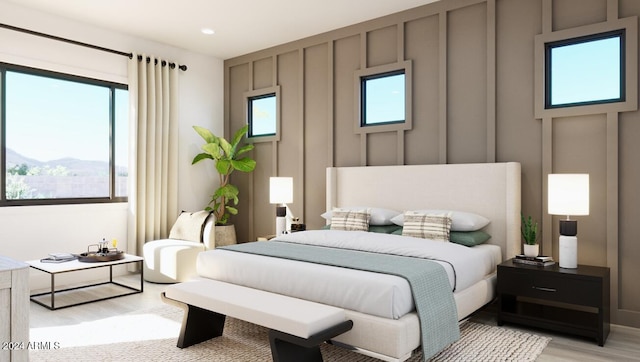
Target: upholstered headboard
[[488, 189]]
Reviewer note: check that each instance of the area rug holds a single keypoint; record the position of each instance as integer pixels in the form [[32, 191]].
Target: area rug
[[151, 335]]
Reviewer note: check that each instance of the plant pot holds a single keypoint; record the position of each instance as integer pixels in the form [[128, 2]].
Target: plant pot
[[225, 235], [531, 250]]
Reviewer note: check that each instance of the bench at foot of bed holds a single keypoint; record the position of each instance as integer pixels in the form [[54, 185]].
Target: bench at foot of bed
[[297, 327]]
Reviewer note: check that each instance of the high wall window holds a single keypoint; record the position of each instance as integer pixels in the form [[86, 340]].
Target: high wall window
[[64, 138], [262, 115], [591, 69], [382, 98], [585, 70], [262, 111]]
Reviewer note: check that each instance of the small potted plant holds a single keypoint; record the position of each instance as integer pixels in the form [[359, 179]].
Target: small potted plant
[[529, 231]]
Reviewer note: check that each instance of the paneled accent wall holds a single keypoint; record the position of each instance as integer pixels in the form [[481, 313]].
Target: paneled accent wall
[[473, 93]]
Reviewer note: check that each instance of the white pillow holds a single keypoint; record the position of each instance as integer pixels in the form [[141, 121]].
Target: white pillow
[[189, 226], [460, 220], [379, 216]]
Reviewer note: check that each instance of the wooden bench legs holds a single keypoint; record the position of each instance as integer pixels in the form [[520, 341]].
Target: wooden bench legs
[[199, 325], [289, 348]]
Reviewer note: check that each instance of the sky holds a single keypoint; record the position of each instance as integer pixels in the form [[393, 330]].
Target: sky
[[385, 99], [49, 119], [586, 72], [264, 116]]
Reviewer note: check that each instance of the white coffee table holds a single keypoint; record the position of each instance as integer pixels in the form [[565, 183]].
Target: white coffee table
[[73, 266]]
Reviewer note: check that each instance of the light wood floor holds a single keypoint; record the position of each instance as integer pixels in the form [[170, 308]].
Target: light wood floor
[[623, 343]]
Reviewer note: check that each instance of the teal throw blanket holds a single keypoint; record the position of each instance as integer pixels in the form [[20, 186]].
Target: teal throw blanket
[[429, 283]]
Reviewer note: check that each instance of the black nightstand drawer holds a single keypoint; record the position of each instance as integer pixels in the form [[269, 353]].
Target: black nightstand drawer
[[554, 298], [551, 287]]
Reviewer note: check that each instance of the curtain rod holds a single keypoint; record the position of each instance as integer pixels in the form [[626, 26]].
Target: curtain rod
[[86, 45]]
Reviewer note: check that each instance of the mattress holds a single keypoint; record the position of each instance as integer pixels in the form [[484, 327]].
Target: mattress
[[370, 293]]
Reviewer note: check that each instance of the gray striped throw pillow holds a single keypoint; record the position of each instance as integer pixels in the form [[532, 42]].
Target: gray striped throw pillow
[[350, 220], [427, 226]]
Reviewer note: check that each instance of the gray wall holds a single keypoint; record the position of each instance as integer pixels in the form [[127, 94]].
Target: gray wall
[[473, 101]]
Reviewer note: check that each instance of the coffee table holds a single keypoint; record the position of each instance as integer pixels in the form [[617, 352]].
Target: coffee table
[[73, 266]]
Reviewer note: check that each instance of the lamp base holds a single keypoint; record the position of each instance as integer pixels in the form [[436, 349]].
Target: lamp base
[[281, 220], [281, 225], [568, 249], [568, 227]]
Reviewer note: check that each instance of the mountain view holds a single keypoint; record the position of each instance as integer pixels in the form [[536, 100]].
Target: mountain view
[[28, 178], [75, 167]]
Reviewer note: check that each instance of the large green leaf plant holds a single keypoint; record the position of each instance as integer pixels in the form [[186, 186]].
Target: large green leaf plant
[[227, 159]]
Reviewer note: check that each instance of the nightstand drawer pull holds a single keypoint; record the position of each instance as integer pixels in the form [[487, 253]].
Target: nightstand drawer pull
[[544, 289]]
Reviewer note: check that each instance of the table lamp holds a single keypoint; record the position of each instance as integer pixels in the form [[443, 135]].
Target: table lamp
[[568, 195], [281, 193]]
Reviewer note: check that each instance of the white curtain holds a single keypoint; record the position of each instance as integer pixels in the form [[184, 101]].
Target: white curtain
[[153, 151]]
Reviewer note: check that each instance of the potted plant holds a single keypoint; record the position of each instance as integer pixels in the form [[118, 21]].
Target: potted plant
[[227, 158], [529, 231]]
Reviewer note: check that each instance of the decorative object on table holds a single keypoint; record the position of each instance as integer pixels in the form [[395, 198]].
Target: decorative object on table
[[529, 230], [102, 253], [539, 260], [281, 193], [296, 225], [59, 258], [568, 195]]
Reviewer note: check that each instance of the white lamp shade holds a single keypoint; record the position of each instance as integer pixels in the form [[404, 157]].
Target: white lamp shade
[[281, 190], [568, 194]]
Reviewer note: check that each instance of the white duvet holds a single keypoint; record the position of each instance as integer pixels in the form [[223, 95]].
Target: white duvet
[[371, 293]]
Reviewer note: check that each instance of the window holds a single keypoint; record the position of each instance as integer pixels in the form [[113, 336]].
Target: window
[[591, 69], [382, 98], [65, 138], [585, 70], [383, 95], [262, 115], [262, 110]]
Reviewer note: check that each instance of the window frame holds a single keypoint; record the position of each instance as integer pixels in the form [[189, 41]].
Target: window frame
[[360, 76], [257, 94], [112, 86], [577, 35], [615, 34]]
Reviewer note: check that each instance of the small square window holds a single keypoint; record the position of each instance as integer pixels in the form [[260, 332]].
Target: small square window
[[262, 112], [383, 98], [262, 115], [383, 95], [585, 70]]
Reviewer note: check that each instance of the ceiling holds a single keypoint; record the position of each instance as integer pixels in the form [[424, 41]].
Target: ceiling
[[241, 26]]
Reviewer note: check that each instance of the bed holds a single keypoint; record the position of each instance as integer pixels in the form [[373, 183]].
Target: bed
[[385, 323]]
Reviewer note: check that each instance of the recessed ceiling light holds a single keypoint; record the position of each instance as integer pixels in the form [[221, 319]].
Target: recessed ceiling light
[[207, 31]]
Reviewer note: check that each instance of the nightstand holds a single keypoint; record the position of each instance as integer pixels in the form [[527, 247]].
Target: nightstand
[[572, 301]]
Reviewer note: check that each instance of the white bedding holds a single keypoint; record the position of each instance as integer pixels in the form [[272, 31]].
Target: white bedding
[[370, 293]]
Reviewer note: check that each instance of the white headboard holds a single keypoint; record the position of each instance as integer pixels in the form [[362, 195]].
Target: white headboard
[[488, 189]]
